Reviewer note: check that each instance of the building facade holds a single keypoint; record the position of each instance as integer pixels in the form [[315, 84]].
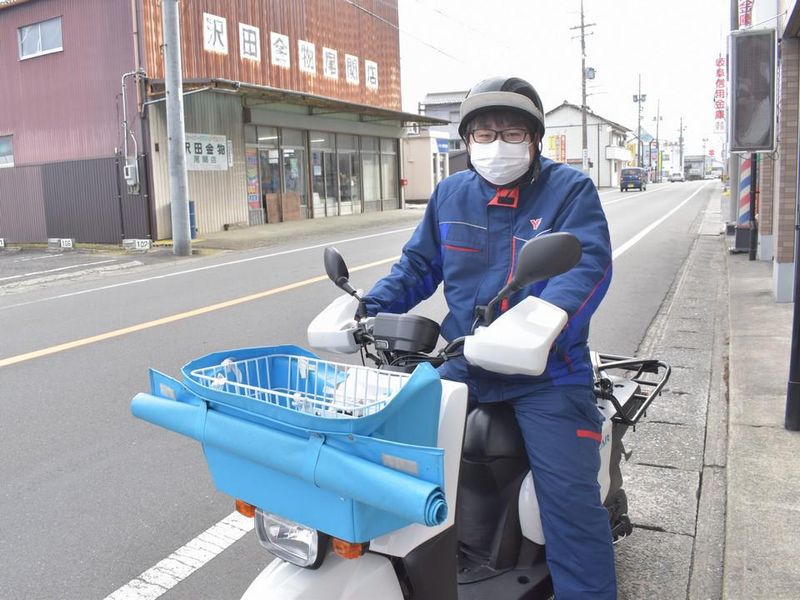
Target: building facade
[[777, 204], [446, 106], [292, 111], [563, 142], [425, 156]]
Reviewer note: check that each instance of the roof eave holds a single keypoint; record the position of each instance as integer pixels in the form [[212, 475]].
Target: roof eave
[[323, 104]]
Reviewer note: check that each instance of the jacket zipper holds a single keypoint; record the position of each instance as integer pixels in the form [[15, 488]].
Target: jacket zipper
[[504, 301]]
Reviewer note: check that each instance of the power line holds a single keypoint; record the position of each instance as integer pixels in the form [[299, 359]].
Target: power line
[[390, 24], [463, 24]]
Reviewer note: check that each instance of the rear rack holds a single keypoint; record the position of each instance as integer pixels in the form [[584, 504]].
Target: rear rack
[[649, 388]]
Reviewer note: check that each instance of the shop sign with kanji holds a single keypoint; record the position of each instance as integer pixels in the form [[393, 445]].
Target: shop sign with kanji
[[206, 152], [720, 99]]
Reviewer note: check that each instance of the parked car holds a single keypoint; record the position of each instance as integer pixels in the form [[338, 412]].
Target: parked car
[[633, 177], [677, 177]]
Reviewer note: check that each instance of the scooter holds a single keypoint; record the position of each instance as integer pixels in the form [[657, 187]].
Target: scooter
[[407, 493]]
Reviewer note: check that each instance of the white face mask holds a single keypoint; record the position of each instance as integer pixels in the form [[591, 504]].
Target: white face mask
[[500, 162]]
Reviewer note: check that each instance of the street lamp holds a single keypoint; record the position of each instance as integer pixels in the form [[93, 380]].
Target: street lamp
[[639, 98]]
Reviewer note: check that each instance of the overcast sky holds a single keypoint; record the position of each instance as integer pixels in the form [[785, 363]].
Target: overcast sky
[[447, 45]]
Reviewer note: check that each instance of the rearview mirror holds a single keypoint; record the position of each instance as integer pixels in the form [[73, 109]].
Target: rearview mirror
[[544, 257], [337, 271], [540, 258]]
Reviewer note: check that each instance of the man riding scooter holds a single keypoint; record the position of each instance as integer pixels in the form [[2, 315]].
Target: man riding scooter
[[474, 226]]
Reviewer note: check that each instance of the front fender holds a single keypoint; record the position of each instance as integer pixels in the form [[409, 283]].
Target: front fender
[[370, 577]]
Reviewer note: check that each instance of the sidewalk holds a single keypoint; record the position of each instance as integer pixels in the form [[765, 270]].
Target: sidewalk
[[714, 497], [762, 541], [260, 236]]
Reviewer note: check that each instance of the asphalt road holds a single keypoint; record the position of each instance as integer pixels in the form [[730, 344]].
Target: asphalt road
[[91, 497]]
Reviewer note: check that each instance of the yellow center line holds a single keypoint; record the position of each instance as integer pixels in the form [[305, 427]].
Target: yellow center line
[[13, 360]]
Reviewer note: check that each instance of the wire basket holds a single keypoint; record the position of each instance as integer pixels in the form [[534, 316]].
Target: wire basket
[[303, 384]]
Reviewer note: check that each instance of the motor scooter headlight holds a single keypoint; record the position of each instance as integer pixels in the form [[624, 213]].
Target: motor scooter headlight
[[291, 541]]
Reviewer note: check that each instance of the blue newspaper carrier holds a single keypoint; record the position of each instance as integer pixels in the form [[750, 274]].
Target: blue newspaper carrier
[[345, 449]]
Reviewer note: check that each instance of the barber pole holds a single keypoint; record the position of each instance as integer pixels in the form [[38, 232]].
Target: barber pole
[[743, 219]]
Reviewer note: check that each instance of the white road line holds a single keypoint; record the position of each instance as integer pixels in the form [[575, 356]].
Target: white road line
[[633, 196], [98, 262], [28, 258], [638, 237], [206, 268], [187, 559]]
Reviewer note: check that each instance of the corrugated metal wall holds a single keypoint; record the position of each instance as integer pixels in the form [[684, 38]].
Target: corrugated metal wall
[[334, 24], [65, 106], [86, 200], [220, 197], [22, 217], [81, 200]]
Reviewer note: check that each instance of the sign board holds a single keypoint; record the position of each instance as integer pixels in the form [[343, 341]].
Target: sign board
[[443, 146], [720, 97], [60, 243], [753, 75], [251, 173], [206, 152], [136, 245]]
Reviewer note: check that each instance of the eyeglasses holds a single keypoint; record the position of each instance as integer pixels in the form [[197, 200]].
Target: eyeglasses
[[515, 135]]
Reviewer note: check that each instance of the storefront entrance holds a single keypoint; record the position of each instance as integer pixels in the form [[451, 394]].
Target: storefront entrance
[[340, 174], [323, 174], [277, 175]]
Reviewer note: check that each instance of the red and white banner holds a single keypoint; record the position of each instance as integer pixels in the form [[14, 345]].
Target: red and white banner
[[745, 13], [720, 94]]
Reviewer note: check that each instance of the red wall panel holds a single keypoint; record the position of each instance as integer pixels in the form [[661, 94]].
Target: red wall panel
[[65, 105], [370, 34]]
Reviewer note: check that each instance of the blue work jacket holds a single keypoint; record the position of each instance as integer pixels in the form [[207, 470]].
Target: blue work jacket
[[470, 238]]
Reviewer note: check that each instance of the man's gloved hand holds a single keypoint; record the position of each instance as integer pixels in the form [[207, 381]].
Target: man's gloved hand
[[361, 313]]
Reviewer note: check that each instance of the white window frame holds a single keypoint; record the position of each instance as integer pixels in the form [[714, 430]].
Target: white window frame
[[4, 165], [40, 52]]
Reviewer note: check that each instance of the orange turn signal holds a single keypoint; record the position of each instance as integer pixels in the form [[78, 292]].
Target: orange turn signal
[[243, 508], [348, 549]]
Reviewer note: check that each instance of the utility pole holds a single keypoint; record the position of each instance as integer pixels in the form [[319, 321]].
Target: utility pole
[[176, 135], [733, 159], [658, 144], [639, 98], [680, 143], [584, 134]]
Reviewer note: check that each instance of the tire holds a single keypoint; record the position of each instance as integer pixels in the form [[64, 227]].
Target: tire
[[621, 189]]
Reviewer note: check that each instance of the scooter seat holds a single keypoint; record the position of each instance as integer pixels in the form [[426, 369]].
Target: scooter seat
[[492, 432]]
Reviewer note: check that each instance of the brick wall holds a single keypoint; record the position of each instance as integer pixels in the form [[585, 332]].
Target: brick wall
[[766, 194], [787, 151]]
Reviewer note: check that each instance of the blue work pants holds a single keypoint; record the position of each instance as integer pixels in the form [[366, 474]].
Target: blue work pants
[[561, 428]]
